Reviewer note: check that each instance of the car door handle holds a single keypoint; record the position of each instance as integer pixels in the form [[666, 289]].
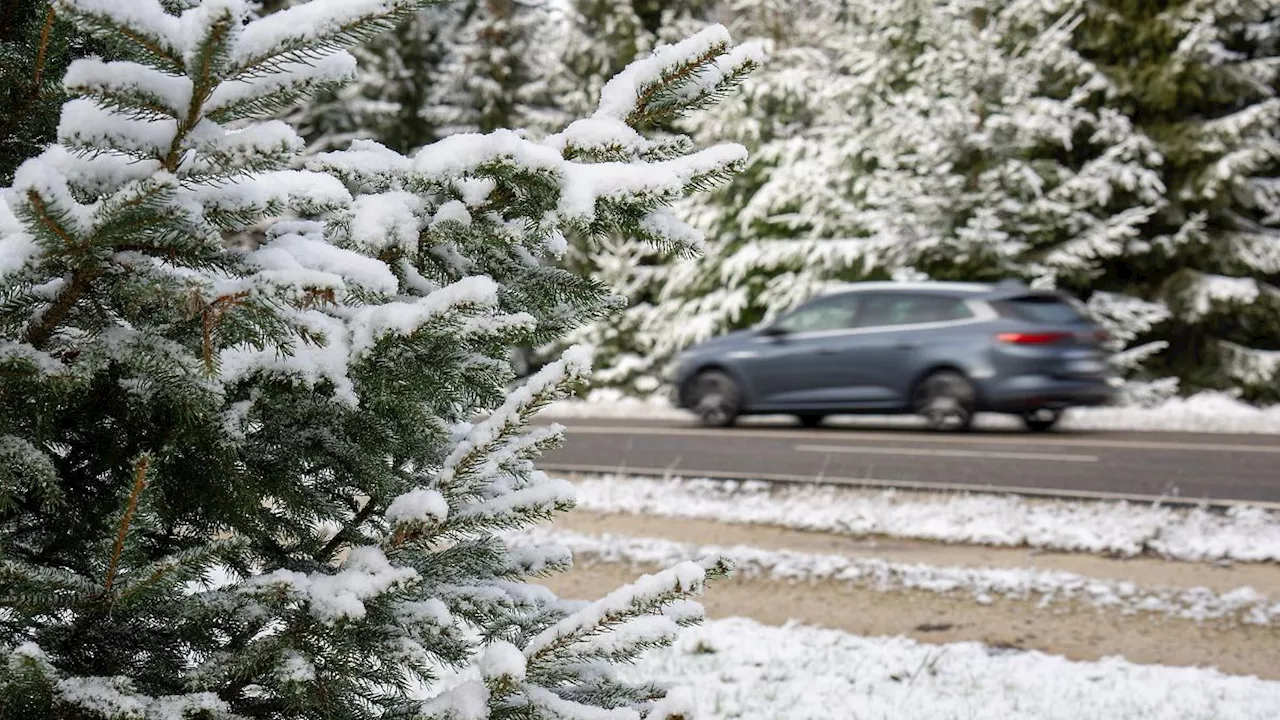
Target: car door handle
[[906, 345], [828, 351]]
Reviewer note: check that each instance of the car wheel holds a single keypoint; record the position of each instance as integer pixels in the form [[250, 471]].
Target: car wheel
[[811, 421], [947, 400], [1041, 420], [716, 399]]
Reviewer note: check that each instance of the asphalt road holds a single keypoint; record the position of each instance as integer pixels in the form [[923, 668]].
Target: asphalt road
[[1173, 467]]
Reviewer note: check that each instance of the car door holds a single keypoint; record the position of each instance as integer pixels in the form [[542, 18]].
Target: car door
[[900, 333], [802, 359]]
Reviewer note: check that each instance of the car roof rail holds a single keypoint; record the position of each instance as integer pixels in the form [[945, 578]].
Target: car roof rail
[[1011, 283]]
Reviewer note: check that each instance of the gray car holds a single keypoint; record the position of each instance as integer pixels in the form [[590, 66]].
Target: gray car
[[943, 350]]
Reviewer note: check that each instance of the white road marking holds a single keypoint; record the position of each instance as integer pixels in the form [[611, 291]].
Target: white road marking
[[924, 437], [945, 487], [933, 452]]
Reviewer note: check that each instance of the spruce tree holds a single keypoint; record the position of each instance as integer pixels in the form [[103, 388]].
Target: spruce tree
[[1124, 152], [36, 44], [280, 482], [503, 71], [1201, 82], [390, 99]]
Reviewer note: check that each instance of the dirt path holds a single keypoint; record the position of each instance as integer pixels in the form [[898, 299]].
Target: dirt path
[[1075, 631], [1081, 634], [1147, 572]]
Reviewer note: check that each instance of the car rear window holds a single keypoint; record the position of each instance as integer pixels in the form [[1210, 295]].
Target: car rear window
[[1048, 309]]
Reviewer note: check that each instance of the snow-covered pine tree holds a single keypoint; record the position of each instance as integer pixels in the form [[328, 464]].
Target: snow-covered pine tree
[[245, 484], [966, 139], [502, 72], [1201, 81], [387, 101]]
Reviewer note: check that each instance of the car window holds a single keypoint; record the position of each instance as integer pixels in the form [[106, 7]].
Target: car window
[[1049, 309], [833, 313], [904, 309]]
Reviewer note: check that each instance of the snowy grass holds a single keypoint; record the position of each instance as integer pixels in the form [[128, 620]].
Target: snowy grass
[[1046, 587], [1208, 412], [738, 668], [1241, 533]]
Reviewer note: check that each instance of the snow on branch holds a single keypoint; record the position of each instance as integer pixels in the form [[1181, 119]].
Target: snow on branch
[[141, 27], [310, 30], [646, 595], [678, 77], [134, 89], [330, 597]]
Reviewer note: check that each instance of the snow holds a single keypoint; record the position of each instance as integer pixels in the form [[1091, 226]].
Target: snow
[[17, 248], [386, 220], [306, 364], [92, 76], [454, 211], [1210, 290], [145, 16], [738, 668], [683, 576], [502, 659], [84, 123], [621, 95], [370, 323], [296, 669], [545, 495], [1205, 412], [224, 150], [555, 706], [114, 697], [366, 574], [465, 701], [1046, 587], [304, 24], [418, 505], [663, 223], [1241, 534], [338, 67]]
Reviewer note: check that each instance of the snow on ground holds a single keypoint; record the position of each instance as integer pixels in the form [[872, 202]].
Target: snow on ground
[[1047, 587], [1207, 412], [738, 668], [1240, 534]]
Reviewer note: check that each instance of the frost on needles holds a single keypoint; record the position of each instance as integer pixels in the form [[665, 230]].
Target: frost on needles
[[251, 483]]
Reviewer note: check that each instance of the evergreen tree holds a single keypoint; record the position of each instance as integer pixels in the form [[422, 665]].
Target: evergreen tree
[[247, 483], [389, 101], [35, 46], [502, 72], [981, 140], [1200, 79]]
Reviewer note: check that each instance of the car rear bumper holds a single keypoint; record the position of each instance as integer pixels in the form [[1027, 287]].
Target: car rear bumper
[[1020, 394]]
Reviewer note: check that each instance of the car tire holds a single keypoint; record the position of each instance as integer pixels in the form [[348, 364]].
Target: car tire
[[716, 398], [810, 420], [1041, 420], [946, 400]]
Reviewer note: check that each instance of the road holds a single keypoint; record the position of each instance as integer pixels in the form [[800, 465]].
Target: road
[[1173, 467]]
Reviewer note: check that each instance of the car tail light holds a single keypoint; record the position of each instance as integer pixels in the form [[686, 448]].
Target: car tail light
[[1047, 338]]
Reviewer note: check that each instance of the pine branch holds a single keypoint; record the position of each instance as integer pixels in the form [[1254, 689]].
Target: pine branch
[[105, 23], [139, 482]]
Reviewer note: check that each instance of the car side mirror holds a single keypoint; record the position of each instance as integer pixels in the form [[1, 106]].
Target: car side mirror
[[773, 331]]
